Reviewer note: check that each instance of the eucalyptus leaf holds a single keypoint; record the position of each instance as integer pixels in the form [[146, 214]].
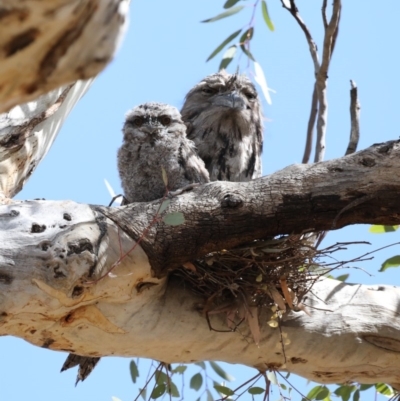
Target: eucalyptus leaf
[[377, 229], [384, 389], [196, 381], [223, 44], [256, 390], [164, 176], [164, 205], [266, 16], [225, 14], [180, 369], [134, 371], [394, 261], [172, 389], [223, 390], [228, 57], [158, 391], [174, 219], [230, 3], [343, 277], [221, 372]]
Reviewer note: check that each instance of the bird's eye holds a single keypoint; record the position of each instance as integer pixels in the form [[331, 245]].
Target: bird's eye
[[165, 120], [250, 96], [209, 91], [137, 122]]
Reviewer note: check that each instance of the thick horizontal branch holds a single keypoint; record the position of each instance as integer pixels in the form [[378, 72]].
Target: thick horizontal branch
[[47, 44], [52, 252], [359, 188]]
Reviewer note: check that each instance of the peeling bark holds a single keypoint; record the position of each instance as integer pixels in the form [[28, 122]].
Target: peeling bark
[[51, 43], [53, 252]]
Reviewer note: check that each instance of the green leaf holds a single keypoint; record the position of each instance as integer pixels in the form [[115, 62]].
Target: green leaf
[[394, 261], [282, 386], [314, 392], [161, 377], [223, 44], [344, 392], [172, 389], [255, 390], [158, 391], [209, 396], [201, 364], [251, 57], [228, 57], [247, 35], [134, 370], [230, 3], [164, 176], [324, 392], [384, 389], [142, 392], [196, 381], [223, 390], [272, 377], [225, 14], [343, 277], [221, 372], [377, 229], [179, 369], [364, 387], [356, 395], [174, 219], [164, 205], [266, 17]]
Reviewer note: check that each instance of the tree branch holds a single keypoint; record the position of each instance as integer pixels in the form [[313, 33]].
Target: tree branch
[[60, 41], [354, 119], [49, 249]]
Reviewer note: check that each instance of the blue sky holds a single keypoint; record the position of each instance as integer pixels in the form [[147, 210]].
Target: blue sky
[[162, 57]]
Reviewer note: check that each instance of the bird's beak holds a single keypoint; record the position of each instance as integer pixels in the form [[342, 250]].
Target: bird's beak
[[152, 129], [232, 100]]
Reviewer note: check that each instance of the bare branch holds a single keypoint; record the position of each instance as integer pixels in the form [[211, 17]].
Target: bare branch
[[310, 126], [323, 11], [330, 38], [355, 119]]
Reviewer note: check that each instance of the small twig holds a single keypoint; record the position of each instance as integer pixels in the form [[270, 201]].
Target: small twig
[[310, 126], [354, 119], [323, 10], [312, 46], [291, 385], [147, 383]]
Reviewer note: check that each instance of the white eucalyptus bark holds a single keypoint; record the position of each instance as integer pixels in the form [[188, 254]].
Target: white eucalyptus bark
[[53, 252], [45, 44], [27, 132]]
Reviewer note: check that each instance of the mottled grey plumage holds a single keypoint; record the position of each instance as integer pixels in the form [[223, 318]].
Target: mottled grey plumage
[[224, 119], [86, 365], [155, 138]]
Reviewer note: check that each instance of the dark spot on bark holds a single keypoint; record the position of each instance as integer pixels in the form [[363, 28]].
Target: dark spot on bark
[[385, 149], [33, 331], [61, 256], [29, 89], [3, 314], [19, 42], [336, 170], [6, 278], [18, 13], [295, 360], [77, 291], [144, 285], [102, 225], [57, 272], [47, 342], [67, 318], [368, 162], [37, 228], [62, 226], [10, 141], [67, 216], [231, 201], [79, 246], [45, 245]]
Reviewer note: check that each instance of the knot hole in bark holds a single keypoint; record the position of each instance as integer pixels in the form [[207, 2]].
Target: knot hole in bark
[[231, 201]]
